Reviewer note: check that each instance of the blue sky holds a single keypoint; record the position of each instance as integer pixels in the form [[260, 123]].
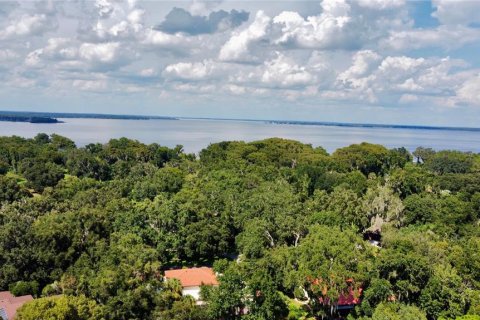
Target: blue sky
[[376, 61]]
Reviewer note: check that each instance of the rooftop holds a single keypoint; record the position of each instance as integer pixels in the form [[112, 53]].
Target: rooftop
[[10, 304], [193, 277], [352, 298]]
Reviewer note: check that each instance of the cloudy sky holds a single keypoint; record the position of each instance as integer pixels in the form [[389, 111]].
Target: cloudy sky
[[377, 61]]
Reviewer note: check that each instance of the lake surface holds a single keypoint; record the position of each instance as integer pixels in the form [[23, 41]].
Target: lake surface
[[195, 135]]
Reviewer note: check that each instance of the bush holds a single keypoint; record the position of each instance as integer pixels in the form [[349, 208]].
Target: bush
[[22, 288]]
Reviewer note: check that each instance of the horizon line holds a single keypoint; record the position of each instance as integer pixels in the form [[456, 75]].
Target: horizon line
[[92, 115]]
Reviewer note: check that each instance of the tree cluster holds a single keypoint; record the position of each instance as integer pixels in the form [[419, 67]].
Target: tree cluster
[[90, 231]]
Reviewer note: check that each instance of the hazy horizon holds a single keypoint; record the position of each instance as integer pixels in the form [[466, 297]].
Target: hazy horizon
[[291, 121]]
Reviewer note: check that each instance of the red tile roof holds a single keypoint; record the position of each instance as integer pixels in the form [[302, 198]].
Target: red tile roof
[[345, 299], [193, 277], [11, 304], [5, 295], [353, 297]]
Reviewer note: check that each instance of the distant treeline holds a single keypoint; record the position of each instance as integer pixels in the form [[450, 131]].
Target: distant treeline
[[24, 114], [31, 119], [369, 125]]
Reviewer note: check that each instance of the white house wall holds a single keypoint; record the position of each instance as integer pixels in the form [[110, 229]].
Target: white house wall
[[193, 291]]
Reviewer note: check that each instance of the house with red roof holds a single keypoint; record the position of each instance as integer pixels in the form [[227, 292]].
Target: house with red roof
[[349, 300], [192, 278], [10, 304], [346, 301]]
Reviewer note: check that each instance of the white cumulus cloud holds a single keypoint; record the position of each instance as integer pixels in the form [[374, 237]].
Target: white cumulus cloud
[[284, 72], [381, 4], [237, 47], [28, 25], [190, 70], [469, 92], [457, 12], [363, 62], [449, 37], [334, 28]]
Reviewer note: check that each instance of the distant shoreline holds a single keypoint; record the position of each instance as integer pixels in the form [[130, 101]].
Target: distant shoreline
[[342, 124], [66, 115], [371, 125], [29, 119]]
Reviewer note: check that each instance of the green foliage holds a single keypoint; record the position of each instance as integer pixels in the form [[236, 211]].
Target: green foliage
[[443, 296], [407, 272], [61, 308], [41, 174], [450, 162], [379, 291], [42, 138], [227, 301], [274, 151], [296, 311], [473, 297], [168, 180], [3, 167], [366, 157], [412, 179], [330, 263], [283, 223], [419, 209], [398, 158], [10, 190], [266, 301], [61, 143], [183, 308], [423, 154], [468, 317], [82, 163], [397, 311], [381, 204], [22, 288], [126, 277]]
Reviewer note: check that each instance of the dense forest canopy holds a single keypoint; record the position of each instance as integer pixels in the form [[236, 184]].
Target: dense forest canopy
[[89, 231]]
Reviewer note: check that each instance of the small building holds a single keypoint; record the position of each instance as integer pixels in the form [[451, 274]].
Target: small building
[[191, 279], [348, 301], [10, 304]]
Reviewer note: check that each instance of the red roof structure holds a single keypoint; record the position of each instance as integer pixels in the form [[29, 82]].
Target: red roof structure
[[193, 277], [10, 304], [352, 298], [345, 300]]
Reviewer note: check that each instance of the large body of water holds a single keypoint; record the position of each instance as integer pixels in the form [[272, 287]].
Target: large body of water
[[195, 135]]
